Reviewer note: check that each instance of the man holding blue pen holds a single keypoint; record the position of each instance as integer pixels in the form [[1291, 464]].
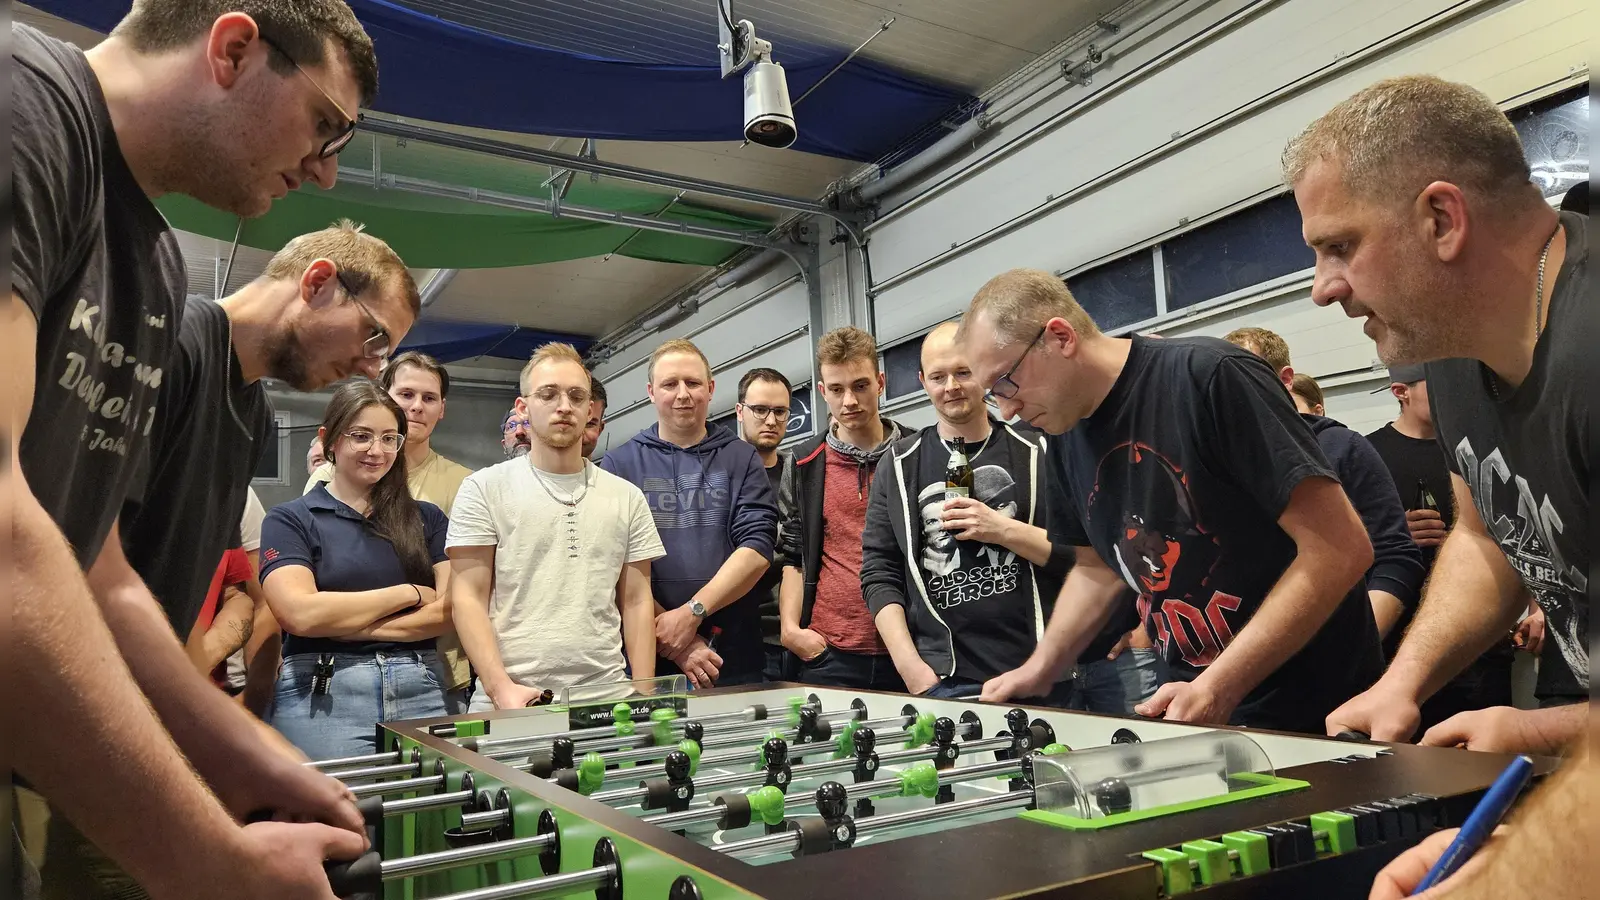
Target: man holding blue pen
[[1416, 196]]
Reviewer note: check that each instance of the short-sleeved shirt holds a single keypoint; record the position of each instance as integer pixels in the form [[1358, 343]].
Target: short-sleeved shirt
[[554, 600], [101, 273], [1178, 480], [1526, 455], [345, 553], [437, 480], [184, 509]]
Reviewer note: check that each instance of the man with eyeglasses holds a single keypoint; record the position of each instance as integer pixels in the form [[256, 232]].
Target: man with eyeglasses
[[1190, 478], [183, 98], [763, 413], [960, 587], [551, 555]]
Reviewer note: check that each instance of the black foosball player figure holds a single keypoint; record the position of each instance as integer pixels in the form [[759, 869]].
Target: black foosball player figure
[[833, 829], [775, 760], [673, 792], [945, 753], [865, 741]]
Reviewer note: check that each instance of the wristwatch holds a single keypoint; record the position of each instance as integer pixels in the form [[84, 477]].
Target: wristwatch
[[697, 608]]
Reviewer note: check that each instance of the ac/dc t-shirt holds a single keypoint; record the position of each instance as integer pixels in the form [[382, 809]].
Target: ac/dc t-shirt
[[1178, 480], [1525, 453], [101, 273]]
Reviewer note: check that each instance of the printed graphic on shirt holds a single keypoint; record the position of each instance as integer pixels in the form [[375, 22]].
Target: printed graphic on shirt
[[1527, 529], [963, 571], [118, 388], [1164, 552], [693, 500]]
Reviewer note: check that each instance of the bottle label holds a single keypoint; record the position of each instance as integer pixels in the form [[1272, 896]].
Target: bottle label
[[951, 492]]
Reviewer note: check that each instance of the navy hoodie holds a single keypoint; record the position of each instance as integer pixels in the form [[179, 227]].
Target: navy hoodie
[[1396, 561], [708, 501]]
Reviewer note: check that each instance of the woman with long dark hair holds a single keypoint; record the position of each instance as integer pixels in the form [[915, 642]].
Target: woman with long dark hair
[[356, 574]]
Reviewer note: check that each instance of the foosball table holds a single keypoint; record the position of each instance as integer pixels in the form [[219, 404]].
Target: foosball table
[[782, 792]]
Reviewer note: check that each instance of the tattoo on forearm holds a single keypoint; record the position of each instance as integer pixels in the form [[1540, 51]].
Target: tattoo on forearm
[[242, 629]]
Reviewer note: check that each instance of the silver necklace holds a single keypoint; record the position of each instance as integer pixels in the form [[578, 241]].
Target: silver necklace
[[971, 454], [570, 517], [1538, 308]]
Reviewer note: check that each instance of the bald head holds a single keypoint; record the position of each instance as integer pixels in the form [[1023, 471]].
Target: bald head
[[947, 376]]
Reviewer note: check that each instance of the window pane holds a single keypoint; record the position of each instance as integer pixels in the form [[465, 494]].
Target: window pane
[[1256, 244], [901, 364], [1120, 292], [729, 422], [1555, 138], [268, 467], [800, 419]]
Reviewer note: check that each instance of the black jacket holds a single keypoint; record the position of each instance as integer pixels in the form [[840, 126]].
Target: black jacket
[[800, 514], [889, 572]]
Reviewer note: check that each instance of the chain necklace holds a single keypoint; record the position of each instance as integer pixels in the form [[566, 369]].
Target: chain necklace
[[1538, 308], [971, 453], [570, 517]]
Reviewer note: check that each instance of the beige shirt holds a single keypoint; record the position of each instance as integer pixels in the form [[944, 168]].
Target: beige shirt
[[436, 481]]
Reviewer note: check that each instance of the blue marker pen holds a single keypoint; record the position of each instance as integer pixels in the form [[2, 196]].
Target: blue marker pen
[[1486, 816]]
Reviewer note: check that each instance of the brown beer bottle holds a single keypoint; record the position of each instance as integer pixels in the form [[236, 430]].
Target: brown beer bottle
[[958, 473], [1424, 499]]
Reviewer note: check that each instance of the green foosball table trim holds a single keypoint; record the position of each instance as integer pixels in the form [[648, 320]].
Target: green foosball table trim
[[1262, 786]]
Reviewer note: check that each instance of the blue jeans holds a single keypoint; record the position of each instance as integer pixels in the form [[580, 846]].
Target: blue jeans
[[954, 688], [367, 688], [1116, 686], [861, 671]]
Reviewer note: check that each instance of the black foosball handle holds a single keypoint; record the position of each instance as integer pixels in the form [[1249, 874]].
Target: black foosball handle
[[1359, 736], [363, 875]]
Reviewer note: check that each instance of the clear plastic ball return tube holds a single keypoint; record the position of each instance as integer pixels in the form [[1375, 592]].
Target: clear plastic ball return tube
[[1120, 778]]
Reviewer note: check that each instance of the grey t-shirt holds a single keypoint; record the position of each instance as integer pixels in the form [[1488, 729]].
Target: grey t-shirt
[[1526, 455], [101, 272], [554, 600]]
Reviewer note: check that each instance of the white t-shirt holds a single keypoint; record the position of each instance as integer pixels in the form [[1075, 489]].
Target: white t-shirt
[[554, 601]]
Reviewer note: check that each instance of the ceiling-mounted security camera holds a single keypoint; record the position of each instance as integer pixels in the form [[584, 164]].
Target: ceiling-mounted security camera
[[768, 116]]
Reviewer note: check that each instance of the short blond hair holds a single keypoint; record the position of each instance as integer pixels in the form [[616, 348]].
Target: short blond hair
[[847, 344], [362, 260], [551, 352], [1019, 302], [1399, 135], [1268, 345], [677, 345]]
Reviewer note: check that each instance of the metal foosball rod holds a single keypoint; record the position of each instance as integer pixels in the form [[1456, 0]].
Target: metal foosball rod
[[398, 786], [367, 874]]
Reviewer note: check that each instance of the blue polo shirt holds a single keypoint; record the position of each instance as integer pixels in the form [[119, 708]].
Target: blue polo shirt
[[344, 552]]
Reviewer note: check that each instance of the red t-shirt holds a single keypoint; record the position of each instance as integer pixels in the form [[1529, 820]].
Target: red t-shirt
[[233, 569], [840, 613]]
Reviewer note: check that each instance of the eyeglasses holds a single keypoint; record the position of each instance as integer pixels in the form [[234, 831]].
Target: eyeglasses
[[551, 395], [361, 441], [333, 145], [378, 343], [762, 413], [1004, 387]]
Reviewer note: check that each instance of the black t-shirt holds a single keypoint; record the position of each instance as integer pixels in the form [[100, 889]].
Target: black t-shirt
[[1412, 461], [184, 506], [1178, 481], [102, 274], [986, 594], [767, 587], [1525, 454]]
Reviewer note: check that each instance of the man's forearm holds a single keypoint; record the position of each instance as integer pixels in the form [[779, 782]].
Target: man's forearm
[[737, 576], [105, 762], [470, 614], [263, 654], [1472, 601], [229, 632], [896, 634], [1547, 850], [791, 599], [214, 732], [639, 632], [1087, 599], [1386, 611], [1293, 612], [1030, 542]]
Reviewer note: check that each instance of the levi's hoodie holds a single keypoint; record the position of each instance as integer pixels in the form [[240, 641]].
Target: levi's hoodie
[[707, 501]]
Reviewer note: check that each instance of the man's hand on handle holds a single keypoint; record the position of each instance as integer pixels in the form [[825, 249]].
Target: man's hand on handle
[[1383, 714], [1188, 701], [285, 862], [1427, 527], [514, 696]]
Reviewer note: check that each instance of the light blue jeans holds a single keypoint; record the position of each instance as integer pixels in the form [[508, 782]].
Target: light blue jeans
[[1116, 686], [367, 688]]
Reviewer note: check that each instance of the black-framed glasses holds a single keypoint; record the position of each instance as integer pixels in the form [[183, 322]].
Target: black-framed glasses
[[378, 344], [333, 145], [762, 413], [1004, 387]]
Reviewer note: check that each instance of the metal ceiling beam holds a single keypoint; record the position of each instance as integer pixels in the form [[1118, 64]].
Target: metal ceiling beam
[[509, 150], [563, 210]]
